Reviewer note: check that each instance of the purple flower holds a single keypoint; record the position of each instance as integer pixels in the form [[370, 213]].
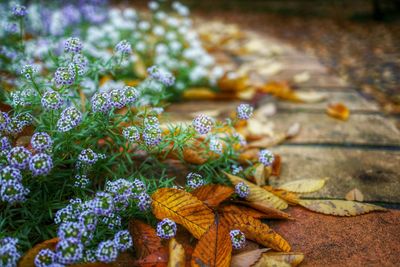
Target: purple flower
[[64, 76], [166, 229], [151, 120], [131, 133], [19, 157], [80, 64], [81, 181], [138, 187], [107, 251], [123, 240], [70, 229], [69, 251], [41, 141], [88, 219], [266, 157], [203, 124], [112, 221], [4, 120], [101, 102], [9, 254], [13, 192], [144, 201], [69, 119], [117, 98], [45, 258], [236, 169], [90, 255], [131, 94], [238, 239], [5, 144], [163, 76], [15, 126], [239, 139], [123, 47], [244, 111], [10, 174], [215, 145], [40, 164], [51, 100], [19, 11], [64, 215], [152, 135], [242, 190], [71, 14], [73, 45], [29, 70], [88, 156], [103, 204], [194, 180]]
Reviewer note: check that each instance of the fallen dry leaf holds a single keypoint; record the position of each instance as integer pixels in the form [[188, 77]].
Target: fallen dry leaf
[[310, 97], [176, 254], [268, 141], [280, 259], [255, 230], [214, 247], [247, 258], [276, 165], [303, 185], [279, 89], [355, 195], [199, 94], [249, 211], [260, 174], [145, 239], [249, 155], [158, 259], [269, 213], [257, 194], [293, 130], [338, 111], [184, 209], [213, 194], [339, 207], [290, 197], [302, 77]]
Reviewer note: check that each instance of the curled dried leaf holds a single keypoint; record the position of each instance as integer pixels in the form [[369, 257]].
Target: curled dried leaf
[[247, 258], [338, 111], [280, 259], [145, 239], [260, 174], [257, 194], [303, 185], [355, 195], [213, 194], [269, 213], [339, 207], [184, 209], [290, 197], [214, 247]]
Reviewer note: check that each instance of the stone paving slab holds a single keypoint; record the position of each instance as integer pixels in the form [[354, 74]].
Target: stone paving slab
[[374, 172], [319, 128], [353, 100], [367, 240]]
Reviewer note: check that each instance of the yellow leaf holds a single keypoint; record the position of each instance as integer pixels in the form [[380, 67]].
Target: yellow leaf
[[355, 194], [184, 209], [339, 207], [260, 174], [255, 230], [201, 93], [280, 259], [290, 197], [257, 194], [310, 97], [213, 194], [227, 83], [338, 111], [247, 258], [177, 256], [303, 185], [214, 247], [28, 259]]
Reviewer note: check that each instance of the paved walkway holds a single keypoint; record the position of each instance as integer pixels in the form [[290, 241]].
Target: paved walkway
[[362, 152]]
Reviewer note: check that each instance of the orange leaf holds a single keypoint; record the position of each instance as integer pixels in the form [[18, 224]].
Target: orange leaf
[[256, 230], [249, 211], [276, 165], [257, 194], [176, 254], [233, 84], [158, 259], [199, 94], [269, 213], [213, 194], [28, 259], [145, 239], [249, 155], [291, 198], [214, 247], [247, 258], [355, 195], [279, 89], [338, 111], [184, 209]]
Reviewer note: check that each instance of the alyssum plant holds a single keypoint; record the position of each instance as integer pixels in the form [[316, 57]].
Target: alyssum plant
[[63, 154]]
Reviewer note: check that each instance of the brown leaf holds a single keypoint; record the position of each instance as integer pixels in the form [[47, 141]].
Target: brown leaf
[[291, 198], [28, 259], [158, 259], [268, 141], [214, 247], [145, 239], [269, 213], [247, 258], [213, 194], [257, 194], [338, 111], [255, 230], [184, 209], [259, 174], [176, 254], [276, 165], [339, 207], [249, 211], [355, 195], [280, 259]]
